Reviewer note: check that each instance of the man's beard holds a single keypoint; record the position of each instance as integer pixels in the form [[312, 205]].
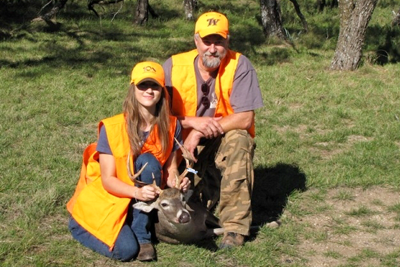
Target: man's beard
[[213, 62]]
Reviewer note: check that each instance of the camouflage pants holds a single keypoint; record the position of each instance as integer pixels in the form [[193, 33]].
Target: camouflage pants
[[226, 175]]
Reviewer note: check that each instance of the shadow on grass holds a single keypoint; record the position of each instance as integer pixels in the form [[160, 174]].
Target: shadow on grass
[[272, 186]]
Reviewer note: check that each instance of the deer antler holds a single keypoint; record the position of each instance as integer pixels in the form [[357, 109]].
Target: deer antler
[[189, 163], [137, 182]]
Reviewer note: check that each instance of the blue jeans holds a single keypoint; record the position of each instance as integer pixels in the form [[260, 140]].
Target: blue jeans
[[135, 231]]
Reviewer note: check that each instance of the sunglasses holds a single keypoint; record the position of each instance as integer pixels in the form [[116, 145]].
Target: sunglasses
[[204, 100], [146, 85]]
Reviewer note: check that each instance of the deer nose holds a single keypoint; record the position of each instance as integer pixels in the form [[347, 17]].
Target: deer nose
[[184, 217]]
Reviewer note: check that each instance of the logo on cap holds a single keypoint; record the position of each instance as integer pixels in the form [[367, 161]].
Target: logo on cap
[[149, 68], [212, 22]]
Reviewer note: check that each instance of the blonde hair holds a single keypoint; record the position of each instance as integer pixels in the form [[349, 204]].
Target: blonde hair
[[135, 120]]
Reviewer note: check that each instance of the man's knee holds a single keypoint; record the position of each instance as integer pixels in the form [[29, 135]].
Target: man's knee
[[239, 139], [236, 144]]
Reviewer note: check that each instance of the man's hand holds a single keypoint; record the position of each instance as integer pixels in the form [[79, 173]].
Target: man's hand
[[208, 126], [185, 185]]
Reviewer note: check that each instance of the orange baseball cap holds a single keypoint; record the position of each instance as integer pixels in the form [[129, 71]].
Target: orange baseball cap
[[148, 71], [212, 23]]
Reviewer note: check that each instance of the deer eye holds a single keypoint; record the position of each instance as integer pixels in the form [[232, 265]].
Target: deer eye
[[164, 205]]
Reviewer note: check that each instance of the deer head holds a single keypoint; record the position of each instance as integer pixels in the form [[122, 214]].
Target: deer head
[[171, 202]]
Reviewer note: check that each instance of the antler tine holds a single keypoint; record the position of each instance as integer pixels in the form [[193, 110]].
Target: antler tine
[[189, 162], [155, 185], [137, 182], [133, 177], [186, 155]]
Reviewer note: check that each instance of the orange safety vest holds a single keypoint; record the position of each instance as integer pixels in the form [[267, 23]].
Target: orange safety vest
[[184, 85], [99, 212]]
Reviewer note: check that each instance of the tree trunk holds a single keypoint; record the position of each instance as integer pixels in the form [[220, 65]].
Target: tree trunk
[[190, 6], [301, 16], [271, 19], [142, 14], [354, 18], [396, 20]]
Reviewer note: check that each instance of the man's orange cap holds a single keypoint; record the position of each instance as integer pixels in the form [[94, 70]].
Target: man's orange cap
[[212, 23], [148, 71]]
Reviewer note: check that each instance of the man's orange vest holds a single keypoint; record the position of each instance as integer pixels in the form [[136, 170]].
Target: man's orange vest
[[183, 79], [99, 212]]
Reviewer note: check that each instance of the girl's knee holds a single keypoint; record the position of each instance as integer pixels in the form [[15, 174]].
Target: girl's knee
[[153, 168], [126, 254]]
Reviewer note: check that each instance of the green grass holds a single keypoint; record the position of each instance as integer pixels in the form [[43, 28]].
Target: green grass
[[319, 130]]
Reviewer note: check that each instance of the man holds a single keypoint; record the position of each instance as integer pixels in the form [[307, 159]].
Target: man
[[214, 93]]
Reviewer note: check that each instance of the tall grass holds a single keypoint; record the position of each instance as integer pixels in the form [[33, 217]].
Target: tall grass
[[338, 129]]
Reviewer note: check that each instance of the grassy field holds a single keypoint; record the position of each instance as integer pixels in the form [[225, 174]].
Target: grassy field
[[328, 143]]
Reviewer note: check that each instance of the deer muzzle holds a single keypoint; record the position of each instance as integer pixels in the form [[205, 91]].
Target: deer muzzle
[[184, 217]]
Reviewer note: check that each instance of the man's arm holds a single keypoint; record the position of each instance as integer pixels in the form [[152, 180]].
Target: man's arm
[[212, 127], [236, 121]]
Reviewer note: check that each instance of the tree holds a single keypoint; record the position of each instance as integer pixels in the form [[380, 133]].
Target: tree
[[190, 6], [354, 19], [271, 19], [143, 9]]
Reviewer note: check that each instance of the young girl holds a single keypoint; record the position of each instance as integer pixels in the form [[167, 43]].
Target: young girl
[[102, 217]]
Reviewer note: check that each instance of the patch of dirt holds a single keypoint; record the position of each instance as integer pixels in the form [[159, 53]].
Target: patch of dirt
[[351, 227]]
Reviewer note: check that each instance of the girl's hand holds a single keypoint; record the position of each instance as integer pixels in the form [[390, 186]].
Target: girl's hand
[[146, 193]]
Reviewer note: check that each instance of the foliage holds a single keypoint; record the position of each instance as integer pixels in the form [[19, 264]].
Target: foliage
[[319, 130]]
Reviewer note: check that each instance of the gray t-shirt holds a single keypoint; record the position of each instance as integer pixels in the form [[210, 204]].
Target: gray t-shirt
[[245, 94], [103, 145]]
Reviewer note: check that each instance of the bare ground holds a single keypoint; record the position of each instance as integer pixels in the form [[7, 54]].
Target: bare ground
[[349, 227]]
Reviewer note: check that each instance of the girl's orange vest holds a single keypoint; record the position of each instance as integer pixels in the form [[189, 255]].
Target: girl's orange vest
[[184, 94], [99, 212]]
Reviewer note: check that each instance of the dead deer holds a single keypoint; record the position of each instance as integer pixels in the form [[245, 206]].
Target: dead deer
[[181, 219]]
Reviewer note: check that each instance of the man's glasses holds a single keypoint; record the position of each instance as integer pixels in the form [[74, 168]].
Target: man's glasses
[[204, 100]]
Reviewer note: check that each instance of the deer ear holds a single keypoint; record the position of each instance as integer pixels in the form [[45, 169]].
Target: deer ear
[[143, 206]]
